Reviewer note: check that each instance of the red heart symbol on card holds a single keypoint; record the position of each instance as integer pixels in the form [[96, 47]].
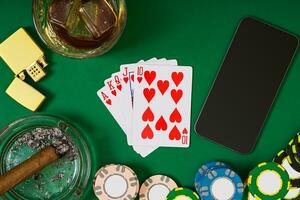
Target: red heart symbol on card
[[114, 92], [148, 115], [175, 116], [174, 134], [163, 86], [161, 124], [125, 79], [176, 95], [139, 79], [108, 101], [132, 77], [149, 94], [177, 77], [119, 87], [147, 132], [150, 76], [185, 131]]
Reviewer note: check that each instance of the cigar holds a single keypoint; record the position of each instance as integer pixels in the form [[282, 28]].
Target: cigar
[[28, 168]]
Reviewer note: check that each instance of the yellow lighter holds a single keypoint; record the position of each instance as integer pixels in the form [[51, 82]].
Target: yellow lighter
[[23, 56]]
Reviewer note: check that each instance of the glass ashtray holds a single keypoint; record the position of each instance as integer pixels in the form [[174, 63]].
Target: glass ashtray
[[79, 28], [65, 178]]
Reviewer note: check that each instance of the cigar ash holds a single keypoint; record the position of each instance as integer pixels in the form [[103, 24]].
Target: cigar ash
[[54, 178]]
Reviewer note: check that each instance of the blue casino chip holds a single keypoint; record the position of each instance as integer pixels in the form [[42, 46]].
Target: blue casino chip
[[221, 183], [204, 169]]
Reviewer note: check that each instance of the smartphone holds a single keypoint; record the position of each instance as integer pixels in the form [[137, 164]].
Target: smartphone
[[246, 85]]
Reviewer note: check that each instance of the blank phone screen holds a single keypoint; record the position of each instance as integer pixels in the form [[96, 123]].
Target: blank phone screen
[[246, 85]]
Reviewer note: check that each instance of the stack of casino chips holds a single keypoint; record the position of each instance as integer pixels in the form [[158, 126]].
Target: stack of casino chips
[[279, 179], [119, 182], [216, 180], [289, 158]]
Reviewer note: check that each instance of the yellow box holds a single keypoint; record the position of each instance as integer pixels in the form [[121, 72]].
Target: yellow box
[[21, 53], [25, 95]]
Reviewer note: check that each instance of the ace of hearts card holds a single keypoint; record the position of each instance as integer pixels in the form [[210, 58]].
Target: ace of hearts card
[[162, 105]]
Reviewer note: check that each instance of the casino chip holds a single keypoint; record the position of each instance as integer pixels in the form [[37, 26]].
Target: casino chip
[[209, 166], [182, 194], [157, 188], [293, 193], [282, 158], [250, 196], [204, 169], [292, 152], [116, 182], [297, 145], [294, 176], [268, 181], [221, 183]]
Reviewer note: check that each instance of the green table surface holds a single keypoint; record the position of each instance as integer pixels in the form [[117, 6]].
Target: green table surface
[[196, 33]]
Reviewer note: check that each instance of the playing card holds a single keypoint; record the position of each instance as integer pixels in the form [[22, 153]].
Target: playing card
[[124, 98], [162, 106], [118, 84], [114, 87], [112, 106], [128, 71]]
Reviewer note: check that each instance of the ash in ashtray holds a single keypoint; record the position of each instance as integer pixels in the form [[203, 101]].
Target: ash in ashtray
[[58, 177], [39, 138], [54, 179]]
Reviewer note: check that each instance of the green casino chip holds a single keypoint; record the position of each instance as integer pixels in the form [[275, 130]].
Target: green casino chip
[[182, 194], [268, 181]]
